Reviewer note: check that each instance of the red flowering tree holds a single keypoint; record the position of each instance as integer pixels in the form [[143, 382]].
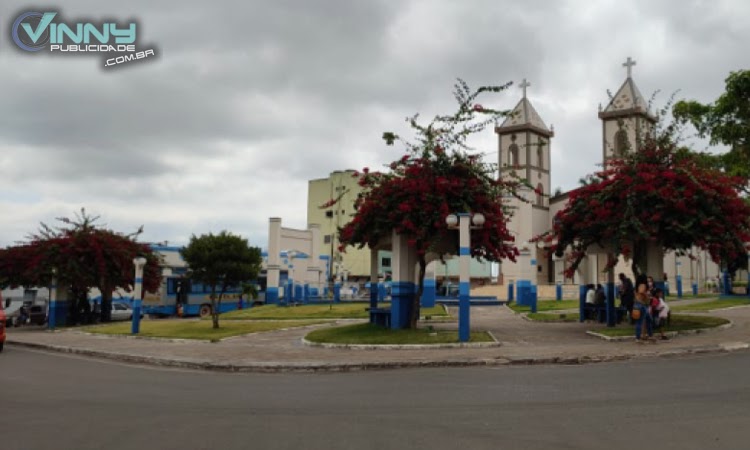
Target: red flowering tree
[[660, 195], [436, 177], [82, 256]]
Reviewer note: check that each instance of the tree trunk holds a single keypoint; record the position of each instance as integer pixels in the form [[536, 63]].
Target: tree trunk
[[214, 309], [106, 303], [420, 290]]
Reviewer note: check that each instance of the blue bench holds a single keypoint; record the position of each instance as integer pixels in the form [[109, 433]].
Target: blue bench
[[380, 316]]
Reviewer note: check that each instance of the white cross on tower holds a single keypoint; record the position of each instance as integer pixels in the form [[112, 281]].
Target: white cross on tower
[[524, 84], [629, 64]]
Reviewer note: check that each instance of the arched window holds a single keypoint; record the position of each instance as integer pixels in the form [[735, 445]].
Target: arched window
[[622, 145], [540, 154], [540, 194], [513, 155]]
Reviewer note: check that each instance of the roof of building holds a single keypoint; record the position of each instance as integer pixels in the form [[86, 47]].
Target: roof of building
[[524, 114]]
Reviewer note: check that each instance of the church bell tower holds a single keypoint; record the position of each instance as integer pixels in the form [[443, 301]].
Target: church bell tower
[[524, 150], [626, 120]]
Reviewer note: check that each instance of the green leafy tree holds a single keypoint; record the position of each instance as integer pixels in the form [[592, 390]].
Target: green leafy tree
[[221, 261], [82, 255], [726, 121], [436, 177]]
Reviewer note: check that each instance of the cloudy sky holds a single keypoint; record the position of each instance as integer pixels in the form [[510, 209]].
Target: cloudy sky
[[247, 101]]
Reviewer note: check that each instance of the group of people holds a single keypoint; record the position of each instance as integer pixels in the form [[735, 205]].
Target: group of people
[[646, 306]]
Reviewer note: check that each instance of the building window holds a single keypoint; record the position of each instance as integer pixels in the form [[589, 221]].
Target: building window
[[385, 262], [513, 152], [327, 239], [329, 213], [621, 143]]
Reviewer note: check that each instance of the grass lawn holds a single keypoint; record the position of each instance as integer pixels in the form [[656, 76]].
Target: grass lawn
[[195, 329], [366, 333], [546, 305], [716, 304], [679, 322], [334, 311]]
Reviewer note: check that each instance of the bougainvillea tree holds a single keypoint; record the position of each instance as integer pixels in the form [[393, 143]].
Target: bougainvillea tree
[[82, 256], [437, 176], [658, 196]]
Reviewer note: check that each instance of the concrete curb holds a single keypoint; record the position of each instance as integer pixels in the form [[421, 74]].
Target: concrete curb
[[307, 367], [671, 334], [405, 346]]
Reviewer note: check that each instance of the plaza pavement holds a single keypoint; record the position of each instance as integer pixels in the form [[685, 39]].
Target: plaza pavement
[[520, 342]]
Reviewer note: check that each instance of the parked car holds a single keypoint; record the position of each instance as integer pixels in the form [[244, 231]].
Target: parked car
[[22, 312], [122, 311]]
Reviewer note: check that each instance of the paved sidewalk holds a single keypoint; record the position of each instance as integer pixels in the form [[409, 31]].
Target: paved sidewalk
[[522, 342]]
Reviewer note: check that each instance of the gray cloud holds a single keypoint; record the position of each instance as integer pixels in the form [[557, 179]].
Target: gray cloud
[[246, 101]]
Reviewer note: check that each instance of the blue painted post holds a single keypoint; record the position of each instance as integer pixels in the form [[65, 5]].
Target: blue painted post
[[581, 302], [678, 278], [510, 292], [464, 322], [558, 291], [523, 287], [727, 283], [402, 300], [611, 313], [464, 241], [137, 294], [306, 293], [51, 318], [695, 288]]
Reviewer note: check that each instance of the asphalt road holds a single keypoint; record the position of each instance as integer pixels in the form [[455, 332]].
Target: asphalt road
[[51, 401]]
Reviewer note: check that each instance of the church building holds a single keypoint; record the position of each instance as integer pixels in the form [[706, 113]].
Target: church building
[[525, 146]]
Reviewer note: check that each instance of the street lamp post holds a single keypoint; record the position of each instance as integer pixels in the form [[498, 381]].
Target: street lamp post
[[463, 222], [139, 262], [52, 307]]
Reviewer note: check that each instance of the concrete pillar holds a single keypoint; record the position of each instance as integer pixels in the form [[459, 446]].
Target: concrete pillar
[[274, 264], [403, 288]]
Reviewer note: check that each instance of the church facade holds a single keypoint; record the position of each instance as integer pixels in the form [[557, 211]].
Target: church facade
[[525, 145]]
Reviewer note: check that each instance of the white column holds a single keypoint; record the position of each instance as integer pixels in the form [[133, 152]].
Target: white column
[[274, 263]]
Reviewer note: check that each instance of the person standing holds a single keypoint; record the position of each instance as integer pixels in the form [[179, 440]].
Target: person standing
[[643, 307]]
